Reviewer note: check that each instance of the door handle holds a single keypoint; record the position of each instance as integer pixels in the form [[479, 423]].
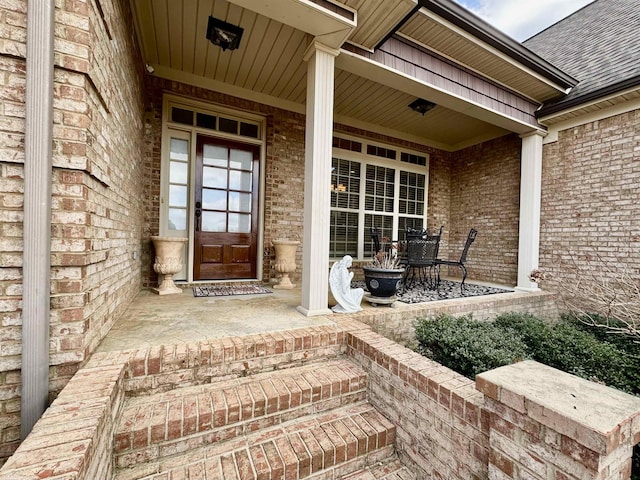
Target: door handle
[[198, 213]]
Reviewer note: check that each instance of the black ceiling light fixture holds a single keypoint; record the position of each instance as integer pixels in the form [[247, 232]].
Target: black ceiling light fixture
[[223, 34], [421, 105]]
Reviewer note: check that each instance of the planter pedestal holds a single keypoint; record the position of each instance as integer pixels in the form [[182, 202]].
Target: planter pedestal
[[285, 262], [168, 262]]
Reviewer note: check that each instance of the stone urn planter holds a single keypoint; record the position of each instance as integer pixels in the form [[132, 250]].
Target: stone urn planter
[[382, 283], [285, 262], [168, 262]]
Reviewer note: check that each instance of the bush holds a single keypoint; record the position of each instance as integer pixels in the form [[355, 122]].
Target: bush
[[573, 349], [466, 346], [470, 347]]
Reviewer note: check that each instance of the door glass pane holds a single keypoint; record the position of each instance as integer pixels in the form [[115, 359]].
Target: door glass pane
[[177, 196], [213, 222], [215, 156], [239, 223], [214, 199], [179, 149], [214, 177], [177, 219], [240, 202], [241, 159], [178, 172], [240, 180]]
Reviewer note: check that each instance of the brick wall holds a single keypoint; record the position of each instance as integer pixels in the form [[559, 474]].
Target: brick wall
[[441, 425], [590, 203], [96, 217], [485, 195]]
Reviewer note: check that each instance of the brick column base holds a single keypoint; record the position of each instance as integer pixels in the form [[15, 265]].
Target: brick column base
[[547, 424]]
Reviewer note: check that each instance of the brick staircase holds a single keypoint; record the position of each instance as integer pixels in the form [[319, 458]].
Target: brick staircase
[[310, 421]]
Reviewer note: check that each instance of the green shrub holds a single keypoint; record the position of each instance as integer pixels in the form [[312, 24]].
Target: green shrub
[[470, 347], [466, 346], [574, 349]]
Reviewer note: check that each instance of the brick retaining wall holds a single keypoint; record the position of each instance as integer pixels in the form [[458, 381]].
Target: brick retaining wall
[[445, 427]]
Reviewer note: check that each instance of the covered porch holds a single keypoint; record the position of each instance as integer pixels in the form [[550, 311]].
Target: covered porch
[[324, 108]]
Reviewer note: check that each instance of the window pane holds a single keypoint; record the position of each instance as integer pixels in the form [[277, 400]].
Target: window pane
[[215, 156], [214, 199], [227, 125], [214, 177], [344, 234], [180, 115], [177, 219], [345, 184], [248, 130], [177, 196], [179, 149], [240, 180], [240, 202], [412, 193], [206, 121], [380, 188], [239, 223], [177, 172], [213, 222], [241, 159]]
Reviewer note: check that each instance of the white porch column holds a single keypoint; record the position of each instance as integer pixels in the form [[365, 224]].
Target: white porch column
[[317, 179], [530, 193]]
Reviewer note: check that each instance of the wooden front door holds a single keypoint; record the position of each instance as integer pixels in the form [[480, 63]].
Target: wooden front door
[[226, 196]]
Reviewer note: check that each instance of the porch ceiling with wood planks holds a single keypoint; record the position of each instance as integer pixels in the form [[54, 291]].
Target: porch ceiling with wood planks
[[268, 67]]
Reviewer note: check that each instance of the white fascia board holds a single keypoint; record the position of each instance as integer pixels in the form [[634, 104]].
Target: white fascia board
[[331, 28]]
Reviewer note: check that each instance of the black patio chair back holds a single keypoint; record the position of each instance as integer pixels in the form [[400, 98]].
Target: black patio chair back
[[463, 258], [375, 240], [470, 239]]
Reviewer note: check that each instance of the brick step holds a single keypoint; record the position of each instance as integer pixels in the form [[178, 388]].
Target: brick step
[[179, 420], [390, 470], [331, 444]]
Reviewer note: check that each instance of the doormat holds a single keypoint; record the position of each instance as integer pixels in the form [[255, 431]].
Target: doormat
[[226, 290]]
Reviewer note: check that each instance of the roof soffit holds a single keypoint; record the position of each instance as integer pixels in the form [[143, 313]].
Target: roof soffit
[[435, 33]]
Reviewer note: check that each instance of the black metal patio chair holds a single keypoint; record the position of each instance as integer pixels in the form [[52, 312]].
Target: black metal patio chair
[[461, 262], [422, 252]]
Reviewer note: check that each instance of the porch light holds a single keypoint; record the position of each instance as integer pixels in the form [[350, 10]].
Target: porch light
[[421, 105], [223, 34]]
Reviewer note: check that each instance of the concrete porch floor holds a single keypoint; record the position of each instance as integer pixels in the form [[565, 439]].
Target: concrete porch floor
[[182, 318], [152, 319]]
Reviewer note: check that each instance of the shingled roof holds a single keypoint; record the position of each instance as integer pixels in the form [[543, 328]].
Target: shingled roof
[[599, 45]]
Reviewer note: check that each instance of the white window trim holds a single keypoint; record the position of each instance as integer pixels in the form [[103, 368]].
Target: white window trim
[[397, 164]]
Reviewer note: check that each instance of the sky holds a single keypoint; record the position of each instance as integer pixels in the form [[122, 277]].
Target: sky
[[521, 19]]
